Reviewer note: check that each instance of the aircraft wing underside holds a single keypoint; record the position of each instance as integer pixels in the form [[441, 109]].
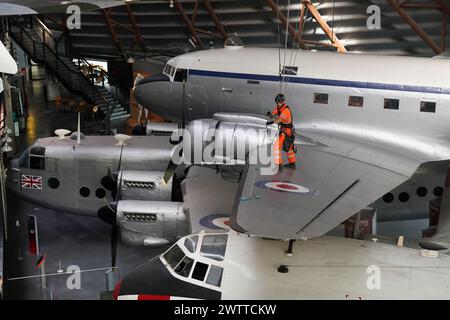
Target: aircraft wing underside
[[332, 182], [208, 199]]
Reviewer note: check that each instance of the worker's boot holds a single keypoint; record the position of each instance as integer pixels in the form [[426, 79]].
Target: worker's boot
[[291, 165]]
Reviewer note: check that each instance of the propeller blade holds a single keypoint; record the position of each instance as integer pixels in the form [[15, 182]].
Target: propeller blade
[[109, 182], [139, 130], [170, 170], [108, 213], [117, 195], [114, 239]]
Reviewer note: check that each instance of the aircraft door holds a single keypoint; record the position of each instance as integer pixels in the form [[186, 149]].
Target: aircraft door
[[89, 188], [53, 184], [245, 96]]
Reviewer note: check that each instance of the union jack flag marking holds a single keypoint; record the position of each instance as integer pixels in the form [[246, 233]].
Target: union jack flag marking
[[31, 182]]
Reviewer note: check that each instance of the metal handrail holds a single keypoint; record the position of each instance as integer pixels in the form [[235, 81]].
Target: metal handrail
[[58, 61]]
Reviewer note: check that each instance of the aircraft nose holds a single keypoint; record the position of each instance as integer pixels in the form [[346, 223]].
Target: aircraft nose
[[146, 90], [144, 283], [157, 94], [154, 78], [152, 281]]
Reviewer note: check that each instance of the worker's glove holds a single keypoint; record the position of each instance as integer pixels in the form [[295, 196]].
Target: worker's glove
[[268, 123]]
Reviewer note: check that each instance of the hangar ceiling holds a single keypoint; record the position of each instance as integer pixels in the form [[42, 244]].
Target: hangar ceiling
[[149, 28]]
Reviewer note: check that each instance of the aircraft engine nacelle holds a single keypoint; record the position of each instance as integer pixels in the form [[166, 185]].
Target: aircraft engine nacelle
[[143, 185], [150, 223], [228, 138]]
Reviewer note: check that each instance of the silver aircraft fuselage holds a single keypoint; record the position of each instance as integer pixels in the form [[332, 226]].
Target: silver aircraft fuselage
[[403, 106], [66, 176], [396, 103]]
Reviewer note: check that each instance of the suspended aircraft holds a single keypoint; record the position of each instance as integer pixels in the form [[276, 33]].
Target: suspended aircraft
[[362, 133], [359, 139]]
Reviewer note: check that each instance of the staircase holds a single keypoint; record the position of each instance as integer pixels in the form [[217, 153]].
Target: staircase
[[40, 45]]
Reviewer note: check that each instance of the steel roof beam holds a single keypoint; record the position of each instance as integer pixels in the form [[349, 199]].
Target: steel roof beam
[[213, 14], [284, 21], [112, 31], [400, 8], [188, 23], [325, 27], [137, 31]]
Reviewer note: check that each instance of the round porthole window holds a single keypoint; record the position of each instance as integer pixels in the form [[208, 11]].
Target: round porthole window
[[422, 192], [388, 197], [438, 191], [85, 192], [100, 193], [403, 197], [53, 183]]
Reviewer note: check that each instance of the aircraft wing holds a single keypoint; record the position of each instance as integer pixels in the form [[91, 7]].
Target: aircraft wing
[[208, 199], [333, 181]]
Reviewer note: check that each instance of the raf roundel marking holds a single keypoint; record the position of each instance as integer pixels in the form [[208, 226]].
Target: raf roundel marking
[[216, 221], [283, 186]]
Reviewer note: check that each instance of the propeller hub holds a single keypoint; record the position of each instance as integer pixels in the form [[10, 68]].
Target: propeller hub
[[108, 213]]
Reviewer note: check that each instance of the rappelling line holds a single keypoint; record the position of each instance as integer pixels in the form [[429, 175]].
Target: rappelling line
[[286, 43], [279, 51], [295, 43]]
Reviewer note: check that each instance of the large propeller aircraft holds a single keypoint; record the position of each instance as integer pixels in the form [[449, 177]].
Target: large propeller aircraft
[[366, 124]]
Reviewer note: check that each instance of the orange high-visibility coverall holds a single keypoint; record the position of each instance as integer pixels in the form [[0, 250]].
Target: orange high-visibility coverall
[[285, 115]]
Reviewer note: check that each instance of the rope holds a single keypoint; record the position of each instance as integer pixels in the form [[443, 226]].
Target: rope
[[332, 28], [295, 43], [279, 49], [300, 36], [286, 40]]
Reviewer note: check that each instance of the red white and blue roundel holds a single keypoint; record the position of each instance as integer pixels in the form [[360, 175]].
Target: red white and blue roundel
[[283, 186], [216, 221]]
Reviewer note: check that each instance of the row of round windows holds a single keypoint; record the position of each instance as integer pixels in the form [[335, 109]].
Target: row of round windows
[[100, 193], [421, 192]]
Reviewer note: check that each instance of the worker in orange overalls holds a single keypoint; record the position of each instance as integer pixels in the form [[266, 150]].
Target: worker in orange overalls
[[285, 141]]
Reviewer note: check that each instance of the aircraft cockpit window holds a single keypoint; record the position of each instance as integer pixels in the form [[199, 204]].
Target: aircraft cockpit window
[[180, 75], [174, 256], [199, 272], [213, 246], [215, 276], [191, 243], [37, 158], [169, 70], [184, 267]]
